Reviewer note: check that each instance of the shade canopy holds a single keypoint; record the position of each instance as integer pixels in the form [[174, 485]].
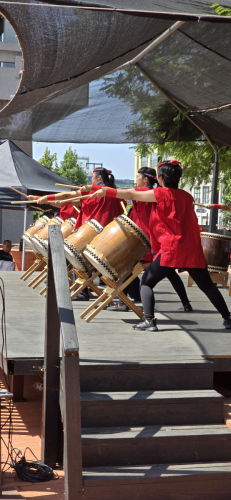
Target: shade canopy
[[65, 95], [20, 171]]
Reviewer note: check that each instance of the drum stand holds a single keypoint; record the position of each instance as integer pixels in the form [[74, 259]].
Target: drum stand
[[221, 278], [32, 268], [41, 276], [113, 289], [85, 280]]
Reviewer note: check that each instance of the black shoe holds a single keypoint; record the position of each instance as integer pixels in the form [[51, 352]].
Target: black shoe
[[187, 307], [82, 296], [118, 307], [227, 323], [146, 324]]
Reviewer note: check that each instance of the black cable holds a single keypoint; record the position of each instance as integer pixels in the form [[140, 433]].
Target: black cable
[[31, 470]]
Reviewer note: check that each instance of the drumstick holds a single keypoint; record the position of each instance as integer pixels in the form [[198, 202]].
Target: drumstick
[[66, 186], [199, 205], [223, 227], [77, 209], [19, 192], [124, 208], [28, 201]]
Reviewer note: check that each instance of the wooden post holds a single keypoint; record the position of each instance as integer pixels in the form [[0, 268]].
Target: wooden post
[[51, 373], [60, 317]]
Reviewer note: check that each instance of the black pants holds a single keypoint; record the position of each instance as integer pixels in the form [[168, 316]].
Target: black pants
[[155, 273], [134, 288]]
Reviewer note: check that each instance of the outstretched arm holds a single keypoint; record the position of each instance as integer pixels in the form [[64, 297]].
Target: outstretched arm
[[44, 200], [125, 194], [222, 206]]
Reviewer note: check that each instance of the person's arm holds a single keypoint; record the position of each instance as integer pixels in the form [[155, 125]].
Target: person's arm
[[218, 206], [125, 194], [45, 200]]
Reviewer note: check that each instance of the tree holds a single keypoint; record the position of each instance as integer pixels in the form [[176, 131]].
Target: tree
[[71, 168], [49, 160], [197, 160]]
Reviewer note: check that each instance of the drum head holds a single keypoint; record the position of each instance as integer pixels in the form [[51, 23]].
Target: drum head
[[75, 258], [95, 225], [100, 263], [29, 241], [41, 246]]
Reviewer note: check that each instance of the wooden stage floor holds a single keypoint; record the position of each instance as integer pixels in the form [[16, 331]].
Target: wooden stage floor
[[109, 337]]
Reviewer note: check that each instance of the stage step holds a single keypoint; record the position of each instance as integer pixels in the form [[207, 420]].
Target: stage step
[[202, 481], [151, 408], [159, 375], [107, 446]]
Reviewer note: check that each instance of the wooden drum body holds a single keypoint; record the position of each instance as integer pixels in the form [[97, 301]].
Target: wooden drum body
[[67, 227], [33, 229], [38, 239], [118, 248], [216, 248], [77, 241]]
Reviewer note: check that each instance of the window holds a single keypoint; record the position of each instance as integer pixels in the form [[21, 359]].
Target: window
[[4, 64], [144, 161], [154, 160], [197, 195], [205, 221], [205, 195]]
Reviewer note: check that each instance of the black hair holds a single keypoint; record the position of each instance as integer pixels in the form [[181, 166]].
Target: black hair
[[7, 241], [150, 173], [171, 174], [107, 177]]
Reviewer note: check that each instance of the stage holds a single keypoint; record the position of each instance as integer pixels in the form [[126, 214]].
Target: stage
[[109, 337]]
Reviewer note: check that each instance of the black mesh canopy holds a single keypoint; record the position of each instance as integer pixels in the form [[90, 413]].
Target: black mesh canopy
[[72, 90]]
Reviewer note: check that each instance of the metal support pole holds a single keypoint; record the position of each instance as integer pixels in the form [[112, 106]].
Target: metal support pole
[[23, 244], [214, 195]]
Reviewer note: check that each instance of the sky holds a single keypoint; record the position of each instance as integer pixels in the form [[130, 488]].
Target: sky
[[119, 158]]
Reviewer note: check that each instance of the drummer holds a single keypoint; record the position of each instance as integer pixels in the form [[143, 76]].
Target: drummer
[[173, 232], [103, 210], [140, 214]]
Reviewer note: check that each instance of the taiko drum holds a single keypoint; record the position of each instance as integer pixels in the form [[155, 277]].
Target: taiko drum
[[66, 228], [38, 239], [34, 228], [118, 248], [77, 241], [216, 248]]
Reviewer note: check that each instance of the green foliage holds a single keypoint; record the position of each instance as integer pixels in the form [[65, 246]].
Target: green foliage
[[197, 160], [221, 11], [155, 118], [70, 167], [49, 160]]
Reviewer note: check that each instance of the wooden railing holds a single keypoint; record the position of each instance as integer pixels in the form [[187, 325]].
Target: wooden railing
[[61, 378]]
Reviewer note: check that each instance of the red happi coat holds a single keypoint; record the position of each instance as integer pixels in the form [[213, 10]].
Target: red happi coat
[[174, 230], [67, 211], [103, 210], [140, 214]]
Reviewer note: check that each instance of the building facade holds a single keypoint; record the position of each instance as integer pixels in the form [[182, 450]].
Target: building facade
[[11, 221]]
